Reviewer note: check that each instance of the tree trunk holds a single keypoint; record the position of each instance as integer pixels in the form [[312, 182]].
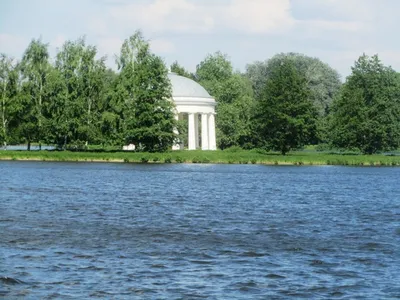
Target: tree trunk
[[88, 119], [65, 143], [29, 146], [40, 115], [3, 115]]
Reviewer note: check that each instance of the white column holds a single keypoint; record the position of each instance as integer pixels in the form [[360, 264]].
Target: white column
[[176, 145], [211, 133], [191, 132], [204, 131], [196, 130]]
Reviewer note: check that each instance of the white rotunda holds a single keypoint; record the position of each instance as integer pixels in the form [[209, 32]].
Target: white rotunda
[[192, 99]]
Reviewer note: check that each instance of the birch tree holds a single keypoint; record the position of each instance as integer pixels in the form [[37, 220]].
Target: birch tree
[[8, 78], [35, 68]]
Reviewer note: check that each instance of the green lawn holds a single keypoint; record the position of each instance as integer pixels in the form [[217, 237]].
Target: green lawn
[[223, 157]]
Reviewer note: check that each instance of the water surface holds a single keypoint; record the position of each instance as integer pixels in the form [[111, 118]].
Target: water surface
[[126, 231]]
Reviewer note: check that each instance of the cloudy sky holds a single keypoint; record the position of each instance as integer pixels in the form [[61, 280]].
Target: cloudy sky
[[336, 31]]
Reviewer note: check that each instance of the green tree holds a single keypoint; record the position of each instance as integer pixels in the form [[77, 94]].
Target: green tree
[[75, 111], [93, 76], [178, 69], [234, 96], [121, 114], [109, 119], [285, 117], [146, 94], [8, 86], [234, 113], [58, 117], [323, 81], [215, 67], [35, 68], [366, 115]]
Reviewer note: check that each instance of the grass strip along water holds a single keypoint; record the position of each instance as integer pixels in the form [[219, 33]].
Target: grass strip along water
[[213, 157]]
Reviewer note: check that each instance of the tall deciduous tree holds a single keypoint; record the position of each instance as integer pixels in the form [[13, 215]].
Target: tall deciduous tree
[[109, 119], [285, 117], [35, 68], [178, 69], [8, 86], [146, 97], [93, 74], [75, 111], [234, 96], [323, 81], [366, 116]]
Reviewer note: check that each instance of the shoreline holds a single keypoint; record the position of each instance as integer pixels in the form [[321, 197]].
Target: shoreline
[[206, 157]]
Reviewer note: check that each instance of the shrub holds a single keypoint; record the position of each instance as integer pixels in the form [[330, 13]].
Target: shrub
[[179, 159], [196, 160], [233, 149], [259, 151], [322, 147]]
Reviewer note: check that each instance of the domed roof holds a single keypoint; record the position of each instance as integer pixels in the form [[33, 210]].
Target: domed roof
[[183, 87]]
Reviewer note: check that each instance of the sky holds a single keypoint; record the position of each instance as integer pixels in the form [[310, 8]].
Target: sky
[[335, 31]]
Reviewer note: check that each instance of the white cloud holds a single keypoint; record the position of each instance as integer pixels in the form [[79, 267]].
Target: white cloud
[[13, 44], [109, 46], [162, 46], [338, 31], [249, 16], [258, 16], [161, 15]]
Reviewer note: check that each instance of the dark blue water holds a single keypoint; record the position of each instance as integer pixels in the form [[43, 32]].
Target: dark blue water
[[124, 231]]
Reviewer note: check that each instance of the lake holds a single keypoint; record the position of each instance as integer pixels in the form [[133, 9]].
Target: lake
[[188, 231]]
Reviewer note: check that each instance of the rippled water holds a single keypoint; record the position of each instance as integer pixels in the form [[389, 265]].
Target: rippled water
[[125, 231]]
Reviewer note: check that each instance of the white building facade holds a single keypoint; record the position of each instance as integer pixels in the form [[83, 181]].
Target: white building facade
[[192, 99]]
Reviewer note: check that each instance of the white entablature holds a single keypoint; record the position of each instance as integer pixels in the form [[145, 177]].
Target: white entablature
[[192, 99]]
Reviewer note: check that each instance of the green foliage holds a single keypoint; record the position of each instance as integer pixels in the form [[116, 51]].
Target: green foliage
[[179, 159], [234, 95], [8, 94], [35, 68], [366, 115], [279, 104], [285, 116], [323, 81], [178, 69], [214, 67], [77, 101], [148, 110], [76, 91], [233, 149]]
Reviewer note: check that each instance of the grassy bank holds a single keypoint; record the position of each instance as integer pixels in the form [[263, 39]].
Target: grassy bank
[[218, 157]]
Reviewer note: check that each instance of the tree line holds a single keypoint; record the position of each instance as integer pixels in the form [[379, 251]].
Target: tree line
[[281, 104]]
